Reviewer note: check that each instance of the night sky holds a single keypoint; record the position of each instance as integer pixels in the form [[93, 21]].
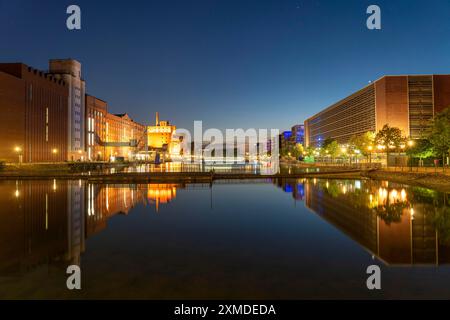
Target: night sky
[[230, 63]]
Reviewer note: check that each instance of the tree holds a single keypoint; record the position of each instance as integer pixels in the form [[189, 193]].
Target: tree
[[326, 142], [297, 150], [332, 149], [293, 151], [440, 134], [363, 143], [421, 149], [390, 138]]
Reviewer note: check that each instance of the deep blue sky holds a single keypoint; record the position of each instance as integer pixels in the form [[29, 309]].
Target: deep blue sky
[[230, 63]]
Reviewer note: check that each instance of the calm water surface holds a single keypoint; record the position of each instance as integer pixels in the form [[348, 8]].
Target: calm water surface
[[239, 239]]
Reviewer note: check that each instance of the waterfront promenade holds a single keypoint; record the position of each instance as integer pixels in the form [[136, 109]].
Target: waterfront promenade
[[123, 173]]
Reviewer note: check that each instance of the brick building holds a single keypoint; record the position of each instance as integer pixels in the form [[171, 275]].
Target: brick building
[[124, 136], [34, 107], [96, 113]]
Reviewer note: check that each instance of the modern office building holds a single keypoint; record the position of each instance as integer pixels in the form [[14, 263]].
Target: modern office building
[[69, 70], [34, 106], [298, 134], [284, 140], [407, 102]]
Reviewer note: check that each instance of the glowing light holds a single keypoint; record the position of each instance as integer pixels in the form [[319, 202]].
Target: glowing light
[[17, 149], [410, 143], [55, 151], [403, 194], [17, 193]]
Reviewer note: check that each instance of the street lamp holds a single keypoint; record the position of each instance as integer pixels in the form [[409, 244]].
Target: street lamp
[[19, 152], [410, 143], [55, 152]]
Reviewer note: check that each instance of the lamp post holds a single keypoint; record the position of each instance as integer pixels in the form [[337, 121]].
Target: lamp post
[[55, 152], [18, 150]]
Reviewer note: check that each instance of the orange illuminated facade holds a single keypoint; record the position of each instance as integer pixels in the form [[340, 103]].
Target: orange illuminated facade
[[123, 136], [160, 135], [96, 112]]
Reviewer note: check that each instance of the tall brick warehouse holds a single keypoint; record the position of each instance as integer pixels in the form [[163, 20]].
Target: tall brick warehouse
[[34, 107]]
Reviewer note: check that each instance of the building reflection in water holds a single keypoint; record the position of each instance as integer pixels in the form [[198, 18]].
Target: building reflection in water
[[47, 222], [400, 225]]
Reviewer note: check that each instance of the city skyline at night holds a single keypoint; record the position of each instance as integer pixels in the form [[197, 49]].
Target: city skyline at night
[[229, 64], [224, 157]]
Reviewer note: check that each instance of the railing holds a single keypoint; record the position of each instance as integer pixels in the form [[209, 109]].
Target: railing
[[440, 170]]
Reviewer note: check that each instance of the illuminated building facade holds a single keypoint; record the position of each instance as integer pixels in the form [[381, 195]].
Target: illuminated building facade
[[34, 108], [47, 117], [406, 102], [69, 70], [124, 136], [284, 140], [96, 112], [298, 134], [160, 135]]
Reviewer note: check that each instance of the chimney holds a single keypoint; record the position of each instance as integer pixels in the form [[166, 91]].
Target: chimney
[[157, 118]]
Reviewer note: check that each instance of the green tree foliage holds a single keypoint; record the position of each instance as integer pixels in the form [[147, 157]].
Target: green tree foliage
[[440, 133], [294, 151], [421, 149], [362, 142], [390, 138], [332, 149]]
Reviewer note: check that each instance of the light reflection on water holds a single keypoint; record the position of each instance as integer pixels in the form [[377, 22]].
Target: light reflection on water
[[199, 231]]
